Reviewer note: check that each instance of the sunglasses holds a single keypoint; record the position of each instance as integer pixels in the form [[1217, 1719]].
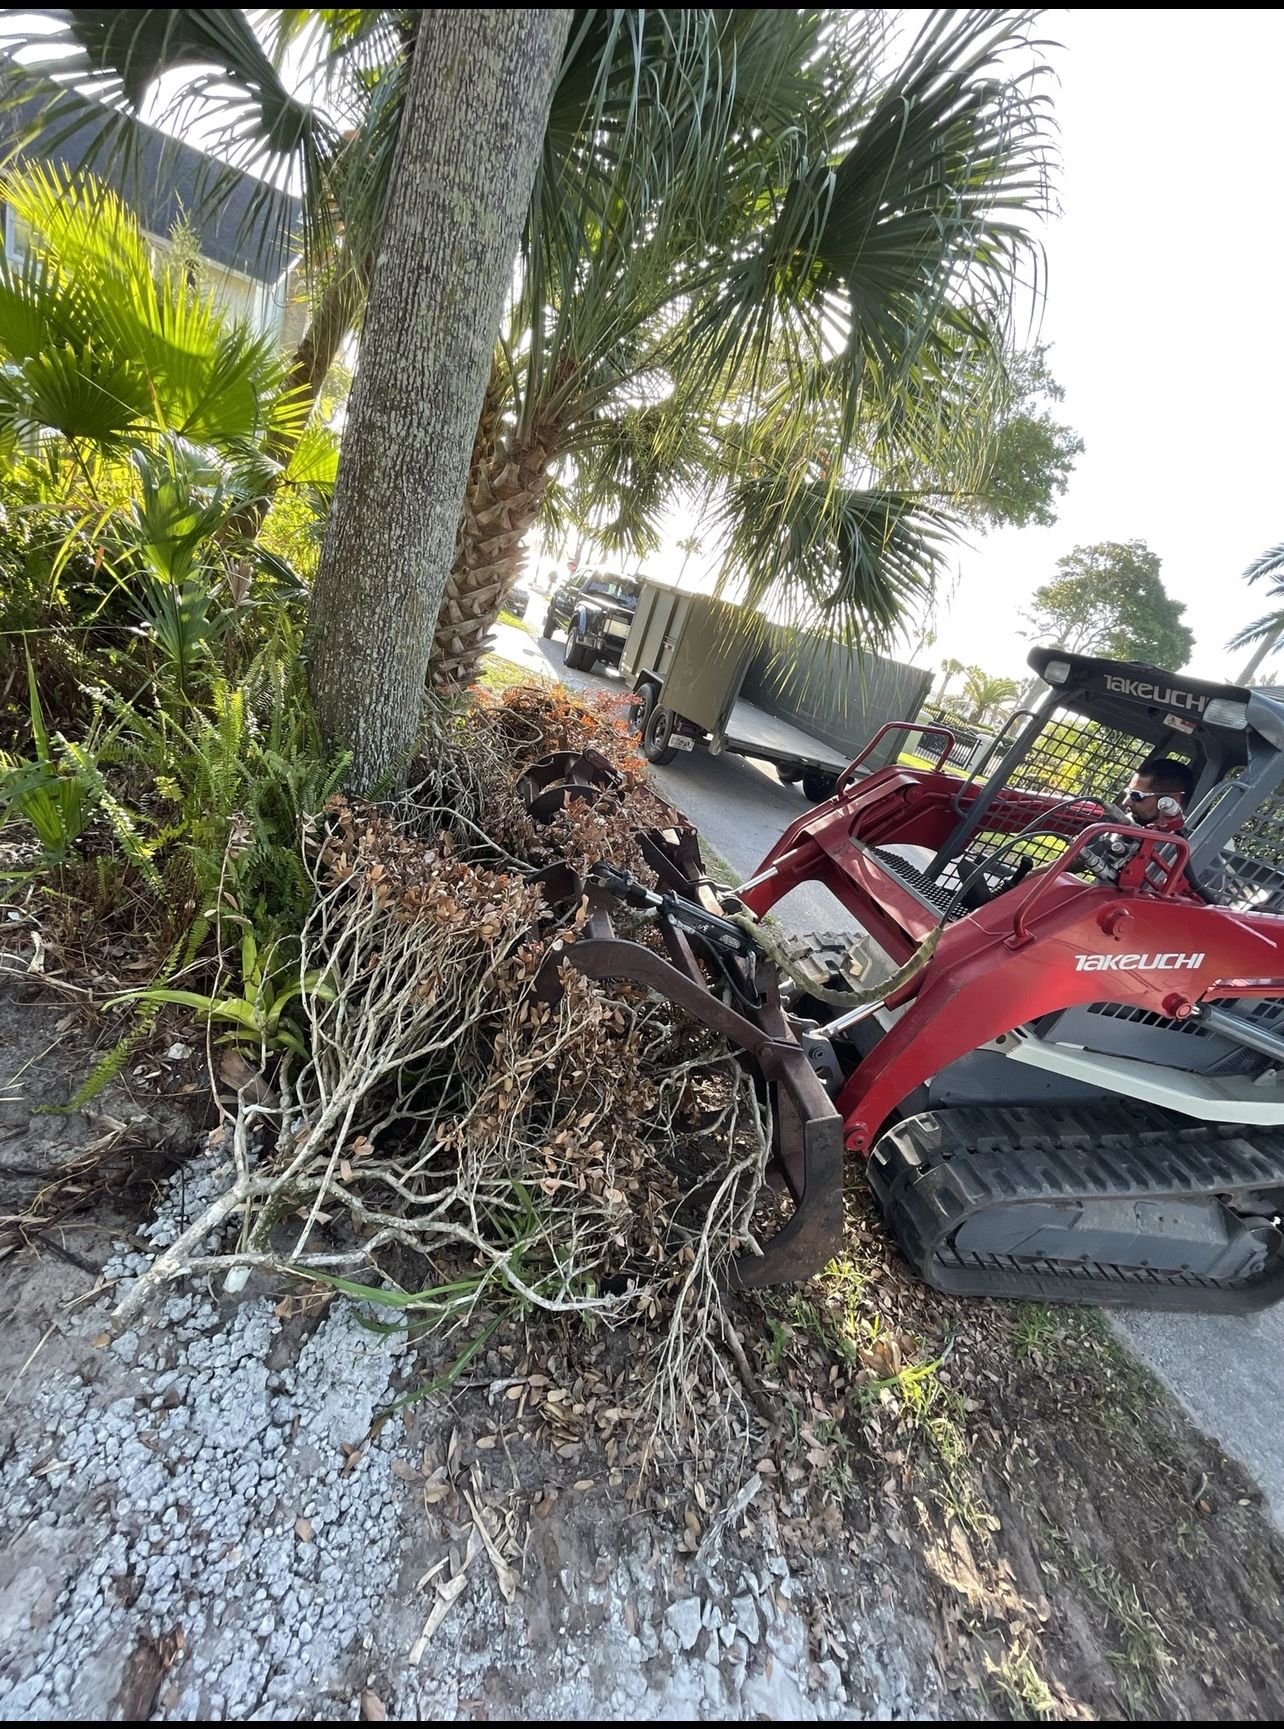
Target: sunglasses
[[1131, 797]]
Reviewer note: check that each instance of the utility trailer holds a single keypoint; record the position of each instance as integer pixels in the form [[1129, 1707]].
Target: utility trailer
[[703, 672]]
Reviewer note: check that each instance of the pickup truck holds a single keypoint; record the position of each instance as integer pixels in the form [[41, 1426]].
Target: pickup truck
[[596, 611]]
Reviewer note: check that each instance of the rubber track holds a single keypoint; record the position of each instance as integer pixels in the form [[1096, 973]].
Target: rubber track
[[932, 1172]]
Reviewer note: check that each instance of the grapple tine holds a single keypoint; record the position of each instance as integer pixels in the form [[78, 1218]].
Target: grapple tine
[[546, 785]]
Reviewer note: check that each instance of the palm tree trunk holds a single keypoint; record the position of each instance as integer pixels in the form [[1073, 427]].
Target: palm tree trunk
[[333, 317], [1259, 654], [506, 487], [474, 121]]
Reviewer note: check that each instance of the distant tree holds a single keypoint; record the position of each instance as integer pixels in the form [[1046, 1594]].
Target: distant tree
[[1108, 599], [1264, 631], [985, 695], [950, 670], [688, 546], [1034, 452]]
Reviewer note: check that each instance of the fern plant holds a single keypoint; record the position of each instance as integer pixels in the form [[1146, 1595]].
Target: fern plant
[[56, 797]]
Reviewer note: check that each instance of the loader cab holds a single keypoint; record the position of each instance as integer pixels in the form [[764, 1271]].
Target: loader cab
[[1077, 750]]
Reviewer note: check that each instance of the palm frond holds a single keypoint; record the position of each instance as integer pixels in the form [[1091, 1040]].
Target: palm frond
[[847, 560], [1267, 564], [98, 67], [87, 299], [913, 238], [1271, 624], [629, 465]]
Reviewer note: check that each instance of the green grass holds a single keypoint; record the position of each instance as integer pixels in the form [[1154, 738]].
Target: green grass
[[908, 759], [1142, 1655], [1021, 1687], [498, 674], [717, 867], [512, 619], [1038, 1329]]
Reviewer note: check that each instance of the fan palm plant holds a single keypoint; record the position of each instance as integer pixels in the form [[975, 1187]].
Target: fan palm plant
[[148, 408], [796, 300], [106, 350]]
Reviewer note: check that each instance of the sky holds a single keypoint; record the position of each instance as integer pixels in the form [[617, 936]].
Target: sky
[[1164, 268], [1163, 272]]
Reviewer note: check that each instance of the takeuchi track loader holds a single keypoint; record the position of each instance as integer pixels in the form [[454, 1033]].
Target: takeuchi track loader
[[1055, 1037]]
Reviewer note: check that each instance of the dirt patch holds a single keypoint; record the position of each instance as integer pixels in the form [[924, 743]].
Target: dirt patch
[[1078, 1548], [203, 1523]]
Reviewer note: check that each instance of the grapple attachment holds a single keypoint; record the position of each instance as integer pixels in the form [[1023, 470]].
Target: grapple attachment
[[714, 971]]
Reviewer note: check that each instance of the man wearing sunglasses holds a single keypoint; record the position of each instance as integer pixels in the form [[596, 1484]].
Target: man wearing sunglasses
[[1159, 792], [1156, 797]]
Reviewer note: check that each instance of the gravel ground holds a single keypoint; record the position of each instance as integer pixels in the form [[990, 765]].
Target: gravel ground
[[199, 1529]]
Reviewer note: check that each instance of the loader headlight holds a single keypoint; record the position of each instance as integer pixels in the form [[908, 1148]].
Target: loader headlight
[[1056, 672], [1225, 711]]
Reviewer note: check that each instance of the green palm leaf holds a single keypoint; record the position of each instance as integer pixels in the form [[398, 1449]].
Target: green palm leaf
[[99, 66], [88, 300]]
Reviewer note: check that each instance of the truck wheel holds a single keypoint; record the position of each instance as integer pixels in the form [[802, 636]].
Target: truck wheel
[[818, 787], [550, 624], [655, 741], [644, 701], [575, 655]]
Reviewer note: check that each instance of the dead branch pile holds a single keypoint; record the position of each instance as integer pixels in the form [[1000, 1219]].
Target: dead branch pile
[[531, 1138]]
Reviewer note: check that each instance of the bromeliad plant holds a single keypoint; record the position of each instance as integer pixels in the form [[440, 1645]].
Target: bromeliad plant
[[258, 1014]]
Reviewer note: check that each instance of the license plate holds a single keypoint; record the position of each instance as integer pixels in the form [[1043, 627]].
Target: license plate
[[682, 741]]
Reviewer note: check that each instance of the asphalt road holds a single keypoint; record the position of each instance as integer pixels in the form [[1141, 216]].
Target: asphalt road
[[1227, 1372]]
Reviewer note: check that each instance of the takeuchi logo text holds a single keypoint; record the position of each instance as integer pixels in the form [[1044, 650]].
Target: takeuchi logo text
[[1167, 696], [1165, 963]]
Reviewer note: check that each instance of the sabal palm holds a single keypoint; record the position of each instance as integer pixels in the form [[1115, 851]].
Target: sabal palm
[[810, 322], [950, 670], [743, 209]]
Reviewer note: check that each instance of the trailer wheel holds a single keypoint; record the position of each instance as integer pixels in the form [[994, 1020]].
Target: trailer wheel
[[644, 700], [818, 787], [655, 741], [789, 775]]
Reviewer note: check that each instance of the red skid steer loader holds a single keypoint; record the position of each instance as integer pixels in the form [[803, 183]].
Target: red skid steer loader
[[1055, 1036]]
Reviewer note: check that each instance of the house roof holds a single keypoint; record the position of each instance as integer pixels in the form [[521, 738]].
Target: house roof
[[242, 222]]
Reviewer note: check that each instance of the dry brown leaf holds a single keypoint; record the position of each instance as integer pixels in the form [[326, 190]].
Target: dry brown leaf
[[504, 1574], [233, 1070], [447, 1594], [303, 1530]]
